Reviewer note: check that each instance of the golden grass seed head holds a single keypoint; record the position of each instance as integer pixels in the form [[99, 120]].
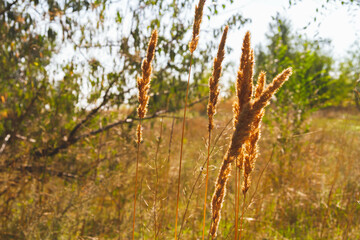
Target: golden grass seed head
[[139, 134], [244, 79], [219, 193], [143, 82], [196, 26], [271, 89], [240, 159], [260, 84], [151, 46], [248, 114], [214, 80]]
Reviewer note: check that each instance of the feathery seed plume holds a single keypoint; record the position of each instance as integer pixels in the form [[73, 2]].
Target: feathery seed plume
[[196, 27], [138, 134], [260, 84], [143, 82], [271, 89], [251, 145], [251, 148], [214, 79], [244, 81]]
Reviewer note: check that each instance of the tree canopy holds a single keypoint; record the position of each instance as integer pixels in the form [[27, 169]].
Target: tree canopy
[[64, 62]]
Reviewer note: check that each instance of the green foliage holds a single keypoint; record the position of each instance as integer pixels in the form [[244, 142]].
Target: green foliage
[[39, 93], [350, 72], [357, 94], [311, 86]]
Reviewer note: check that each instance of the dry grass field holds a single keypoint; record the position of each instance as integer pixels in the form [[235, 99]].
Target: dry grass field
[[309, 186], [309, 189], [242, 173]]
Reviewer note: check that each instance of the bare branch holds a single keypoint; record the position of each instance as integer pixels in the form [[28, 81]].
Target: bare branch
[[71, 141], [8, 7]]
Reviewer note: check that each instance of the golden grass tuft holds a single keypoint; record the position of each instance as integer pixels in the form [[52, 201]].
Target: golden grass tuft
[[248, 112], [192, 46]]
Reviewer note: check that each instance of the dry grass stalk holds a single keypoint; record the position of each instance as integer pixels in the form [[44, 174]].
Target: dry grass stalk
[[250, 150], [157, 180], [237, 196], [192, 46], [244, 88], [143, 84], [248, 114], [196, 26], [211, 108]]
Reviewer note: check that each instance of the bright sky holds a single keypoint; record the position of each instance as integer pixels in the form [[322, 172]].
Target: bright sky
[[337, 22]]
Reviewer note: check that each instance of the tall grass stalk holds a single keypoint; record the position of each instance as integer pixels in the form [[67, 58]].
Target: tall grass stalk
[[143, 84], [243, 93], [157, 178], [211, 108], [192, 46], [242, 216], [236, 201], [251, 147], [237, 196], [200, 174], [181, 151]]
